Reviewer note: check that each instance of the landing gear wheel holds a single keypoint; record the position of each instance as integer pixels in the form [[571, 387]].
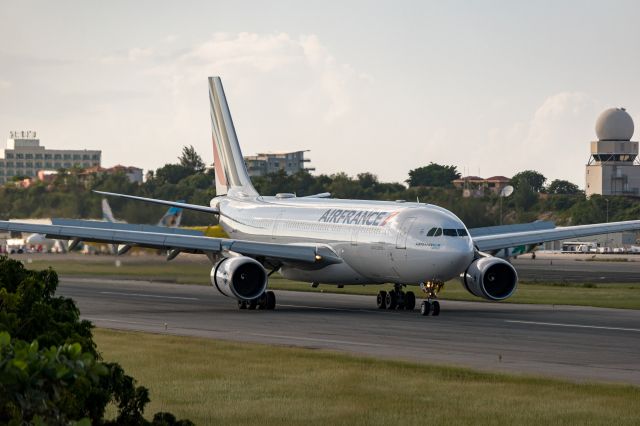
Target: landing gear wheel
[[270, 303], [410, 301], [436, 308], [400, 296], [391, 300], [425, 308], [242, 304], [252, 304], [381, 300]]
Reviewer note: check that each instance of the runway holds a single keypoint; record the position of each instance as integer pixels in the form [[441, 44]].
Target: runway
[[578, 268], [578, 343]]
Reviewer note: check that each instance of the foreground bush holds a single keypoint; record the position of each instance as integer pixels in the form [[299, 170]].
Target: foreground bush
[[50, 370]]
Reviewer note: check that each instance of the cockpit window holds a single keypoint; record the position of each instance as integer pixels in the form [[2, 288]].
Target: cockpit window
[[450, 232], [438, 232], [463, 233]]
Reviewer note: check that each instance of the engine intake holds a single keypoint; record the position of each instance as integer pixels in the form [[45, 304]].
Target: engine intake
[[240, 277], [491, 278]]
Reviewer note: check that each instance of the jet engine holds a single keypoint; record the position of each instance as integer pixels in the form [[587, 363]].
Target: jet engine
[[491, 278], [240, 277]]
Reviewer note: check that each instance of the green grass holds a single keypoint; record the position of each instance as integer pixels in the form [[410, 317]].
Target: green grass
[[217, 382], [626, 296]]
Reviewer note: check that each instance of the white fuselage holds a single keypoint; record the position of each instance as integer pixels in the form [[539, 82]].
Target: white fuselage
[[378, 241]]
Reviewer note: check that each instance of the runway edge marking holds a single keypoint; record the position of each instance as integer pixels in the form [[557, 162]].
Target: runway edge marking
[[555, 324]]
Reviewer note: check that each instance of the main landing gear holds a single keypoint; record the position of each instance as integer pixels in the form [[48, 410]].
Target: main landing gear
[[431, 305], [396, 299], [266, 301]]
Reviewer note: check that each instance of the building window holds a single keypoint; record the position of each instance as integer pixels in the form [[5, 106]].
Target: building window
[[58, 165], [29, 164], [66, 156], [93, 157], [85, 157], [9, 155], [85, 165], [9, 172], [57, 157], [19, 164], [1, 172], [19, 155], [28, 156], [48, 156], [67, 165], [48, 164], [9, 163], [76, 156], [38, 165]]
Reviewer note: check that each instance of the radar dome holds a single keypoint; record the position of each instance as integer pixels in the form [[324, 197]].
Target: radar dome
[[614, 124]]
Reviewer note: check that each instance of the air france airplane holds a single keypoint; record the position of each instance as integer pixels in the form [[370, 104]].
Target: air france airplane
[[330, 241]]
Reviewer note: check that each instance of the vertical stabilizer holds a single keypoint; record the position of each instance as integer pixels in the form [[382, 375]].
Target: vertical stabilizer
[[231, 172], [172, 217], [107, 214]]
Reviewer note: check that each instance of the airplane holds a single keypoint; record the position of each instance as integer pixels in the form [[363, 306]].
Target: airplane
[[330, 241]]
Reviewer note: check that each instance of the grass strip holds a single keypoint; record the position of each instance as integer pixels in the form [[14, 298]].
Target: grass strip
[[623, 296], [218, 382]]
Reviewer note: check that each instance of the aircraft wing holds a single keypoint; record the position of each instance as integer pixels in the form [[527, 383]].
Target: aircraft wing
[[186, 206], [288, 253], [513, 239]]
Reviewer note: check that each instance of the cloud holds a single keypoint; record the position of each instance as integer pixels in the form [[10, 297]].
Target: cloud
[[132, 55], [308, 76], [555, 141]]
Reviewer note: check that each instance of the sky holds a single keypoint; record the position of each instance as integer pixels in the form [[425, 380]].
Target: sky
[[491, 87]]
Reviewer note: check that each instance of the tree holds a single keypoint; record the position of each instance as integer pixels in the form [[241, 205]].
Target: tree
[[191, 159], [433, 175], [66, 381], [565, 187], [531, 178]]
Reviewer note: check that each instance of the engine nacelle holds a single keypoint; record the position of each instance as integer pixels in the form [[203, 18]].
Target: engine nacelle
[[240, 277], [491, 278]]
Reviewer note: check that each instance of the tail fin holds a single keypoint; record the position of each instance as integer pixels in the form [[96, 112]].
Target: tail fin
[[107, 214], [172, 217], [231, 172]]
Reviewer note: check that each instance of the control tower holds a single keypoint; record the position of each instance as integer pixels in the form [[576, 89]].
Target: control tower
[[613, 167]]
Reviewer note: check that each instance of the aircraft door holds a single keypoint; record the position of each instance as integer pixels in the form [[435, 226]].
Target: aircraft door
[[403, 232]]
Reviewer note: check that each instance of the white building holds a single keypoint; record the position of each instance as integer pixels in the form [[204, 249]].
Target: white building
[[613, 167], [24, 157], [267, 163]]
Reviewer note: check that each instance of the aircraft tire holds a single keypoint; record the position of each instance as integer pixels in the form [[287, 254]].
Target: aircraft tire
[[242, 304], [252, 305], [381, 300], [425, 308], [410, 301], [271, 300], [391, 300], [436, 308]]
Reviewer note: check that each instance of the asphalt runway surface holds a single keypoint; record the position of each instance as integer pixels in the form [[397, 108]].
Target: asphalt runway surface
[[579, 268], [577, 343]]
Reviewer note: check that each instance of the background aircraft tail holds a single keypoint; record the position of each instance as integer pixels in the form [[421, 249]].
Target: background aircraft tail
[[172, 217], [107, 214], [231, 172]]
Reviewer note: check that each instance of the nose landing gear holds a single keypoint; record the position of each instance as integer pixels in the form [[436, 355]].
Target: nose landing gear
[[431, 305]]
